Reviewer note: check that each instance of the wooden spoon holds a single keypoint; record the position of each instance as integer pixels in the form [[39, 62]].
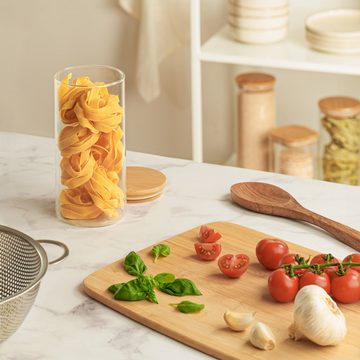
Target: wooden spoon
[[272, 200]]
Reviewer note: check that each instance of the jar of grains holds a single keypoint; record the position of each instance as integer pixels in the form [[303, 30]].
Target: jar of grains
[[256, 117], [293, 151], [340, 139]]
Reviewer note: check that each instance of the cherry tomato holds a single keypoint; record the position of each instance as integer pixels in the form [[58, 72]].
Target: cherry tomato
[[290, 259], [355, 258], [233, 265], [208, 251], [270, 252], [208, 235], [320, 259], [346, 288], [309, 278], [282, 287]]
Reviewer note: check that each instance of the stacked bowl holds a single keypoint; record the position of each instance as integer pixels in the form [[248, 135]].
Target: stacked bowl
[[258, 21], [334, 31]]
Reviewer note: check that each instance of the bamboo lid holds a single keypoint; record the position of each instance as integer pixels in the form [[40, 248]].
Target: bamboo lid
[[255, 81], [340, 106], [294, 135], [143, 184]]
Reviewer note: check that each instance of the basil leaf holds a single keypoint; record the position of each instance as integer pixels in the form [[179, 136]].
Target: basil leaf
[[131, 291], [188, 307], [134, 265], [160, 250], [180, 287], [164, 278], [115, 287], [151, 296]]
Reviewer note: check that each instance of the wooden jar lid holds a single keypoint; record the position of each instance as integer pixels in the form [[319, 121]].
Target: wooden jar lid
[[294, 135], [255, 81], [340, 106], [143, 184]]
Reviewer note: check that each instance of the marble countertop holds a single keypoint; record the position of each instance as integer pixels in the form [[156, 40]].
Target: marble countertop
[[66, 324]]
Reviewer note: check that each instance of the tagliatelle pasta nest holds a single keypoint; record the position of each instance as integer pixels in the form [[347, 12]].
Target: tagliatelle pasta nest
[[91, 149]]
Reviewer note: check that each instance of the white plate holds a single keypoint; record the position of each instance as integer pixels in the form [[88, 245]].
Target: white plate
[[335, 50], [257, 37], [257, 13], [258, 23], [260, 4], [332, 42], [340, 24]]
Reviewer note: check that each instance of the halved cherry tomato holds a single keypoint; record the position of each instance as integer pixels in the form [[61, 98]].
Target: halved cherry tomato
[[207, 251], [330, 270], [233, 265], [270, 252], [291, 259], [346, 288], [310, 278], [354, 258], [208, 235], [282, 287]]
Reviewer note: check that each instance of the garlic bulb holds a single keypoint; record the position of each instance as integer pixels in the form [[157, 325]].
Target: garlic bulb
[[238, 321], [317, 317], [262, 337]]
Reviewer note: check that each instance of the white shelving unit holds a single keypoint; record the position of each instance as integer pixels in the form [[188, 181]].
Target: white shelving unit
[[293, 53]]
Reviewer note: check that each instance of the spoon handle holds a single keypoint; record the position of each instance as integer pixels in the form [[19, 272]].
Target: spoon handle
[[345, 234]]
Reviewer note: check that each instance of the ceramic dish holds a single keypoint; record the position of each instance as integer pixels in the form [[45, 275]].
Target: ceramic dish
[[332, 42], [339, 24], [257, 13], [258, 37], [258, 23], [260, 4]]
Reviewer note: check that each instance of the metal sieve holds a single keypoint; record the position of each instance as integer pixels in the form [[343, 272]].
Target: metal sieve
[[23, 263]]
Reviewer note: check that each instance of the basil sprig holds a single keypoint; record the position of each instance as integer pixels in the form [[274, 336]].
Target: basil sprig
[[134, 265], [188, 307], [160, 250], [143, 286]]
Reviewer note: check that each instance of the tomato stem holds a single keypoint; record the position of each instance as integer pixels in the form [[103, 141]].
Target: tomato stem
[[319, 268]]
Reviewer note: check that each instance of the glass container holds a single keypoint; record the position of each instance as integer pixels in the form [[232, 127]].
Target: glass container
[[256, 117], [90, 157], [293, 150], [340, 139]]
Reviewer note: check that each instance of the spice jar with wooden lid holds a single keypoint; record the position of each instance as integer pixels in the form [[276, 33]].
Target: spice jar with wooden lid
[[293, 150], [256, 117], [340, 139]]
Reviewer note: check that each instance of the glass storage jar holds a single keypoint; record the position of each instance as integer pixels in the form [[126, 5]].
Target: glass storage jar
[[293, 150], [256, 117], [89, 131], [340, 139]]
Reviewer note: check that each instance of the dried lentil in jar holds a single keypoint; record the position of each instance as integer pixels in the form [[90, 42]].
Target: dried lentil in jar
[[340, 139]]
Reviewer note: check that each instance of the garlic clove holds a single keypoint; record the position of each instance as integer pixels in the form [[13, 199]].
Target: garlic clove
[[238, 321], [262, 337]]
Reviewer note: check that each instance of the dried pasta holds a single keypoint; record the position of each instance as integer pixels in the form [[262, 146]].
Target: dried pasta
[[341, 159], [91, 149]]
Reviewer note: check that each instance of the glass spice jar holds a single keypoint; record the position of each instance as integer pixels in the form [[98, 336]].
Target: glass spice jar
[[256, 117], [293, 150], [89, 131], [340, 139]]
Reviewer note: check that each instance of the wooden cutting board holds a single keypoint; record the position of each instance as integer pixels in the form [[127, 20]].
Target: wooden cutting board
[[206, 331]]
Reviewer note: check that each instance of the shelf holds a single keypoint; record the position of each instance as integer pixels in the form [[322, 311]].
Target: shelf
[[292, 53]]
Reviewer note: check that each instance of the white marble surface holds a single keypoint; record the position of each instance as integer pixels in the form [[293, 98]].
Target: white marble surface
[[64, 323]]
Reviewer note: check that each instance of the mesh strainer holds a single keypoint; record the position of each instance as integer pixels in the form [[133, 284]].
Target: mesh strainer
[[23, 262]]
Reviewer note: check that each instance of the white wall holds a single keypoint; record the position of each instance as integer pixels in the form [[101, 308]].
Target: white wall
[[39, 37]]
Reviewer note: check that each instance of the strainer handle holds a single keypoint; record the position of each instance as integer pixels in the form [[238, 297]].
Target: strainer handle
[[56, 243]]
